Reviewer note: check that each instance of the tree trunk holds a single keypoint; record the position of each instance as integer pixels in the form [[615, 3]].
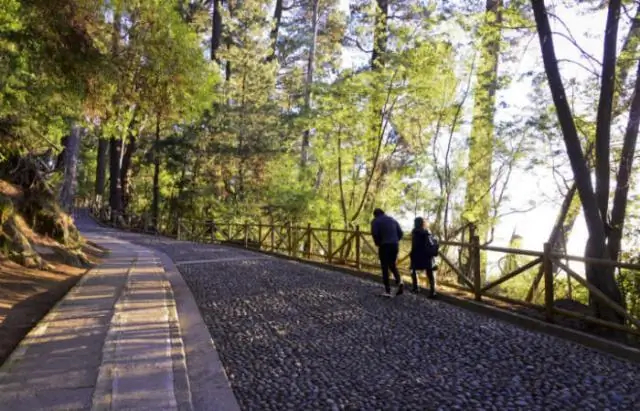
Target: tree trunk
[[571, 206], [126, 170], [565, 118], [304, 152], [618, 211], [101, 169], [628, 55], [277, 17], [72, 150], [155, 205], [481, 141], [115, 187], [605, 107], [380, 34], [229, 44], [216, 29], [596, 245], [569, 211]]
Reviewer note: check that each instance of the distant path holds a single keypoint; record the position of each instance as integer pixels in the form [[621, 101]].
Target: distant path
[[295, 337]]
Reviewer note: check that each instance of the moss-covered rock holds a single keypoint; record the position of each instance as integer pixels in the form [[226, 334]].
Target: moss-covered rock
[[28, 213]]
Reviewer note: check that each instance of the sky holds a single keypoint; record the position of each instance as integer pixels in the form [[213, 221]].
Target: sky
[[535, 225]]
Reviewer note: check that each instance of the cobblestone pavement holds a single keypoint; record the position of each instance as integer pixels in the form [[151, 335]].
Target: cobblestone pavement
[[296, 337]]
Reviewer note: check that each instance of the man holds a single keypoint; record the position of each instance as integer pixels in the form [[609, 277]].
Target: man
[[387, 234]]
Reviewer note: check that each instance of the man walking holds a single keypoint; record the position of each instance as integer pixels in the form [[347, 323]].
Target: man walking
[[387, 234]]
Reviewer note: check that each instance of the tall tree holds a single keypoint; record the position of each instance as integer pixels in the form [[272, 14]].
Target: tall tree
[[481, 141], [603, 242], [304, 155], [277, 22], [216, 28]]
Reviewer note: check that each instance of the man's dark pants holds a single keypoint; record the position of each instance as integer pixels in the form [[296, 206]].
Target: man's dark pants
[[388, 254]]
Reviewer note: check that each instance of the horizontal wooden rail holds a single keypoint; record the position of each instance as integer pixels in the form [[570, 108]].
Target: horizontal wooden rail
[[512, 274]]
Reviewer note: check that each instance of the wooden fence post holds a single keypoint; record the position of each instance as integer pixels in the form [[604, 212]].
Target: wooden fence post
[[273, 236], [475, 258], [308, 250], [547, 267], [179, 228], [358, 264], [289, 238], [259, 234], [246, 235], [329, 244]]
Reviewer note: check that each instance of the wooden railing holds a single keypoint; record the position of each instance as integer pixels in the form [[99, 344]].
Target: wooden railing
[[353, 248]]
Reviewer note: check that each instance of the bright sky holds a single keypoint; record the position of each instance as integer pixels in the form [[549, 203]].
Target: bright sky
[[534, 226]]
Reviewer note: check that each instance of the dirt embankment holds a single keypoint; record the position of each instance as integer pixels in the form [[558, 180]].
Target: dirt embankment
[[42, 256]]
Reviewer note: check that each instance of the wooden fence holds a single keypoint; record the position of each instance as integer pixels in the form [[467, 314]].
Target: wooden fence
[[354, 248]]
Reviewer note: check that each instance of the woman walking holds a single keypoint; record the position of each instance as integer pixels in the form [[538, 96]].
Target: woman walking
[[423, 249]]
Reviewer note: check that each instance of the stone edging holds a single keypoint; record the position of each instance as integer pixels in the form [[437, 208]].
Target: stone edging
[[210, 387]]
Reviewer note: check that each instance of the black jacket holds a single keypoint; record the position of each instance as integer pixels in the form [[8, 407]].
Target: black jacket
[[385, 230], [420, 258]]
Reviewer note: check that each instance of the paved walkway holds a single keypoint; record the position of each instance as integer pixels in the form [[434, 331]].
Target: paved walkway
[[292, 337], [127, 337], [295, 337]]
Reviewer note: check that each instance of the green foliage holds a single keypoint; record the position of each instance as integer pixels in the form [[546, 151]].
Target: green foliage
[[52, 57], [415, 133]]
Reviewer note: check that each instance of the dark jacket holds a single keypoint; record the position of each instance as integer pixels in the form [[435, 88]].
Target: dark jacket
[[385, 230], [420, 258]]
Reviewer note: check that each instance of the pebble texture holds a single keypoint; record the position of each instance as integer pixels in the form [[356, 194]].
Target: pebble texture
[[296, 337]]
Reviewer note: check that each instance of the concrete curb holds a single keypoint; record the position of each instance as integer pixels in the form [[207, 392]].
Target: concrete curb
[[588, 340], [178, 355], [210, 387]]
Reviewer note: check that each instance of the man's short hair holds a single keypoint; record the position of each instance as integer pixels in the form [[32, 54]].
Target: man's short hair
[[378, 212]]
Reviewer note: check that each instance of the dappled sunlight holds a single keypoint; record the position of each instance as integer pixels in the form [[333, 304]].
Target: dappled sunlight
[[87, 340]]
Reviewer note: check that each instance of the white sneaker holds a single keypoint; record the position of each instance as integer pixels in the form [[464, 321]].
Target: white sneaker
[[386, 295]]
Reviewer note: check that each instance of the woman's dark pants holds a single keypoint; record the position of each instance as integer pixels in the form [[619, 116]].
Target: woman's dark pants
[[430, 276]]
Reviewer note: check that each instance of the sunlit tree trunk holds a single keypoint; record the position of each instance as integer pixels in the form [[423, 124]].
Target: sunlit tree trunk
[[101, 170], [69, 184], [304, 153], [481, 141], [155, 205], [115, 187]]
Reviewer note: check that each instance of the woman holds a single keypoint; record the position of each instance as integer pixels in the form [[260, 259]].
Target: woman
[[420, 256]]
